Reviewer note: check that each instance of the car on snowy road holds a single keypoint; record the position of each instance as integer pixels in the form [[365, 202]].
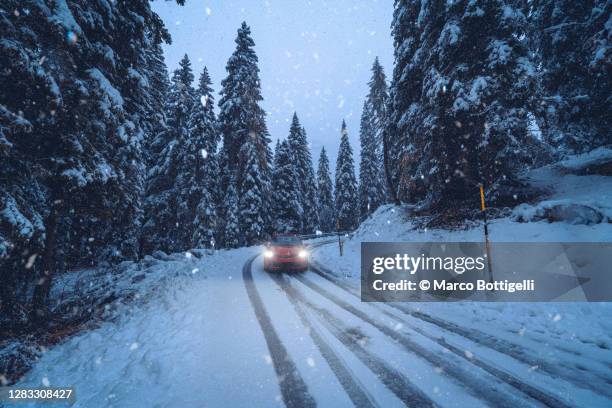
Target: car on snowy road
[[286, 252]]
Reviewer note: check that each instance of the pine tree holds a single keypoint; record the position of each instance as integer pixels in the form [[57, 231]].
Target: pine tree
[[572, 41], [325, 195], [159, 86], [298, 144], [285, 190], [72, 124], [377, 99], [252, 193], [241, 123], [465, 121], [201, 149], [240, 115], [167, 215], [232, 237], [404, 105], [347, 209], [370, 193]]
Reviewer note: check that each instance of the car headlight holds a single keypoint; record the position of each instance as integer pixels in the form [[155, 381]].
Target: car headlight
[[268, 253], [303, 253]]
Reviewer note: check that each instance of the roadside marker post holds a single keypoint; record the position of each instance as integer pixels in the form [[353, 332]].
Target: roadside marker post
[[483, 209], [340, 243]]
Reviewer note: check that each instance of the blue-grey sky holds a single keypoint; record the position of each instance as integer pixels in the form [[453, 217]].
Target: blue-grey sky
[[314, 56]]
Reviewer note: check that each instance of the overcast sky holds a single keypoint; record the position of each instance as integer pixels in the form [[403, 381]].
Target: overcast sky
[[314, 56]]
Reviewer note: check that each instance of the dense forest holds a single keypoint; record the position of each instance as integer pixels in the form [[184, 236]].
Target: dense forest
[[106, 157]]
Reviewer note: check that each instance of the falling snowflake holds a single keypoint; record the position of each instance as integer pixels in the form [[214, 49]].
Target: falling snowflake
[[46, 382], [556, 317], [204, 153], [134, 346], [208, 11], [71, 37], [469, 354], [194, 271], [310, 361], [31, 261]]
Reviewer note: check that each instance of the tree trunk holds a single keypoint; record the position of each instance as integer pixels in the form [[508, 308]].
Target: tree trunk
[[43, 285], [390, 187]]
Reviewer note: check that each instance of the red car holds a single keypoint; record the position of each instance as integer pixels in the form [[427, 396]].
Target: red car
[[286, 252]]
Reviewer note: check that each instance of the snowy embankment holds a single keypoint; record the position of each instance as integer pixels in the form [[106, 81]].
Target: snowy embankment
[[82, 299], [169, 349], [579, 329]]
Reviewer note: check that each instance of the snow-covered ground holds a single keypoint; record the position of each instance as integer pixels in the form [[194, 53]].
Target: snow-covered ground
[[216, 330], [177, 350], [577, 336]]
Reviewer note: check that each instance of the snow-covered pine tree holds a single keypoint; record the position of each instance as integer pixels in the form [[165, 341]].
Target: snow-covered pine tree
[[224, 179], [285, 190], [572, 40], [325, 194], [469, 123], [347, 207], [252, 194], [165, 212], [377, 99], [400, 158], [266, 160], [302, 160], [73, 119], [159, 85], [201, 150], [241, 119], [370, 193], [232, 237], [240, 115]]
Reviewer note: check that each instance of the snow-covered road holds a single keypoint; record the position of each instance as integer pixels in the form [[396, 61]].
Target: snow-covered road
[[389, 355], [230, 334]]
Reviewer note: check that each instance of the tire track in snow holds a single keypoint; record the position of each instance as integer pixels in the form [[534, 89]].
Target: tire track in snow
[[390, 377], [354, 390], [500, 345], [293, 388], [479, 387]]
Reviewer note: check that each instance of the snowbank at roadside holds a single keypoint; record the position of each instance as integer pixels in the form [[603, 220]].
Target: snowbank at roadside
[[175, 348], [580, 328]]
